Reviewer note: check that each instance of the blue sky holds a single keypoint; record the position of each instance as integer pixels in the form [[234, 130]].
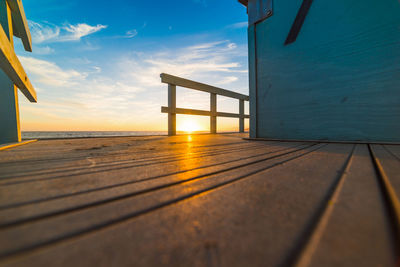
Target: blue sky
[[96, 65]]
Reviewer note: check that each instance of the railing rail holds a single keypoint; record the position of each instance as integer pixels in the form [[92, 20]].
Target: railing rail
[[172, 110]]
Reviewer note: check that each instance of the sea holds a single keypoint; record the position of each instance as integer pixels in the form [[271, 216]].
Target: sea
[[80, 134]]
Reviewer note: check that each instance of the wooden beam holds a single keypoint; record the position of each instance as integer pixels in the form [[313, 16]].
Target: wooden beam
[[186, 111], [170, 79], [20, 24], [10, 130], [241, 112], [172, 106], [11, 65], [213, 117]]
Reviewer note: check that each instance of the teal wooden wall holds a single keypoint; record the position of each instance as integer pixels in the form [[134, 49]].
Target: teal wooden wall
[[340, 80]]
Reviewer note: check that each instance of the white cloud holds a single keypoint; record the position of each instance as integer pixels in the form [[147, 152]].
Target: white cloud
[[50, 33], [227, 80], [45, 50], [202, 61], [48, 73], [80, 93], [131, 33], [76, 32], [128, 94]]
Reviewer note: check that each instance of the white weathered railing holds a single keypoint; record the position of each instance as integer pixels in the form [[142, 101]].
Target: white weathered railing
[[172, 110]]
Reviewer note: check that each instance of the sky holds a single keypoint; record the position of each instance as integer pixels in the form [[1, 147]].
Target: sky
[[96, 65]]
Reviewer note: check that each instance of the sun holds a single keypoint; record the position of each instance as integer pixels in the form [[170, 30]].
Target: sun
[[189, 126]]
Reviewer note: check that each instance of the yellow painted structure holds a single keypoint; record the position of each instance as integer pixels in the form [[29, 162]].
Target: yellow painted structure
[[12, 75]]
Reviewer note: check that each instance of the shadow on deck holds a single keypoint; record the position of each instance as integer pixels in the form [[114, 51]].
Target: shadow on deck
[[200, 200]]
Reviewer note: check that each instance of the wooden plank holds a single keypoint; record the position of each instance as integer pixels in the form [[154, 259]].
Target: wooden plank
[[344, 228], [11, 65], [388, 169], [170, 79], [389, 165], [265, 211], [20, 24], [69, 198], [61, 182], [51, 230], [200, 112], [94, 175]]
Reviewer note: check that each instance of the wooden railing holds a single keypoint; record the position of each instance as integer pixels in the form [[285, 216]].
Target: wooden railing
[[172, 110]]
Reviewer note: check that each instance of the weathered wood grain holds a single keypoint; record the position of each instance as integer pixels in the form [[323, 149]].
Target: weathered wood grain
[[20, 23], [337, 81], [193, 201], [170, 79], [11, 65], [356, 224]]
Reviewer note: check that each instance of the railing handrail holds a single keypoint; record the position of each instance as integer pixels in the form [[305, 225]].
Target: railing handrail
[[172, 110], [178, 81]]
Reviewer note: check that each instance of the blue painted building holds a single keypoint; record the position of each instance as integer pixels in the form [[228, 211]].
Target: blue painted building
[[324, 70]]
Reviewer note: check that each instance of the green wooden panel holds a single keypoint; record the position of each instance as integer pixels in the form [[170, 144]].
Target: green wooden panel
[[340, 80]]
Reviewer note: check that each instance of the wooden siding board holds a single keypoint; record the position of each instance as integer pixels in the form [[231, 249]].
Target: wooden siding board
[[337, 81], [252, 80]]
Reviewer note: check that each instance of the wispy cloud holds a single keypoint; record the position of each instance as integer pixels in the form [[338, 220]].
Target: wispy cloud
[[90, 95], [212, 62], [238, 25], [76, 32], [132, 93], [48, 73], [131, 33], [43, 50], [50, 33]]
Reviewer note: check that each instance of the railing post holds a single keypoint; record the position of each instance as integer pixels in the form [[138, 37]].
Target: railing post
[[172, 107], [241, 113], [213, 109]]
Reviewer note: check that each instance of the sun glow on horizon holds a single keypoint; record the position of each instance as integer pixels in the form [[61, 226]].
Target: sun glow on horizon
[[189, 126]]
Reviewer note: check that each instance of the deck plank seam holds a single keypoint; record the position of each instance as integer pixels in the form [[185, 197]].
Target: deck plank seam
[[103, 225], [389, 194], [391, 152], [108, 155], [133, 194], [83, 157], [145, 179], [313, 233], [183, 156], [2, 184]]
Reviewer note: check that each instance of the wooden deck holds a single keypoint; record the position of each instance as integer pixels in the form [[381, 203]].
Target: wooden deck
[[200, 200]]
